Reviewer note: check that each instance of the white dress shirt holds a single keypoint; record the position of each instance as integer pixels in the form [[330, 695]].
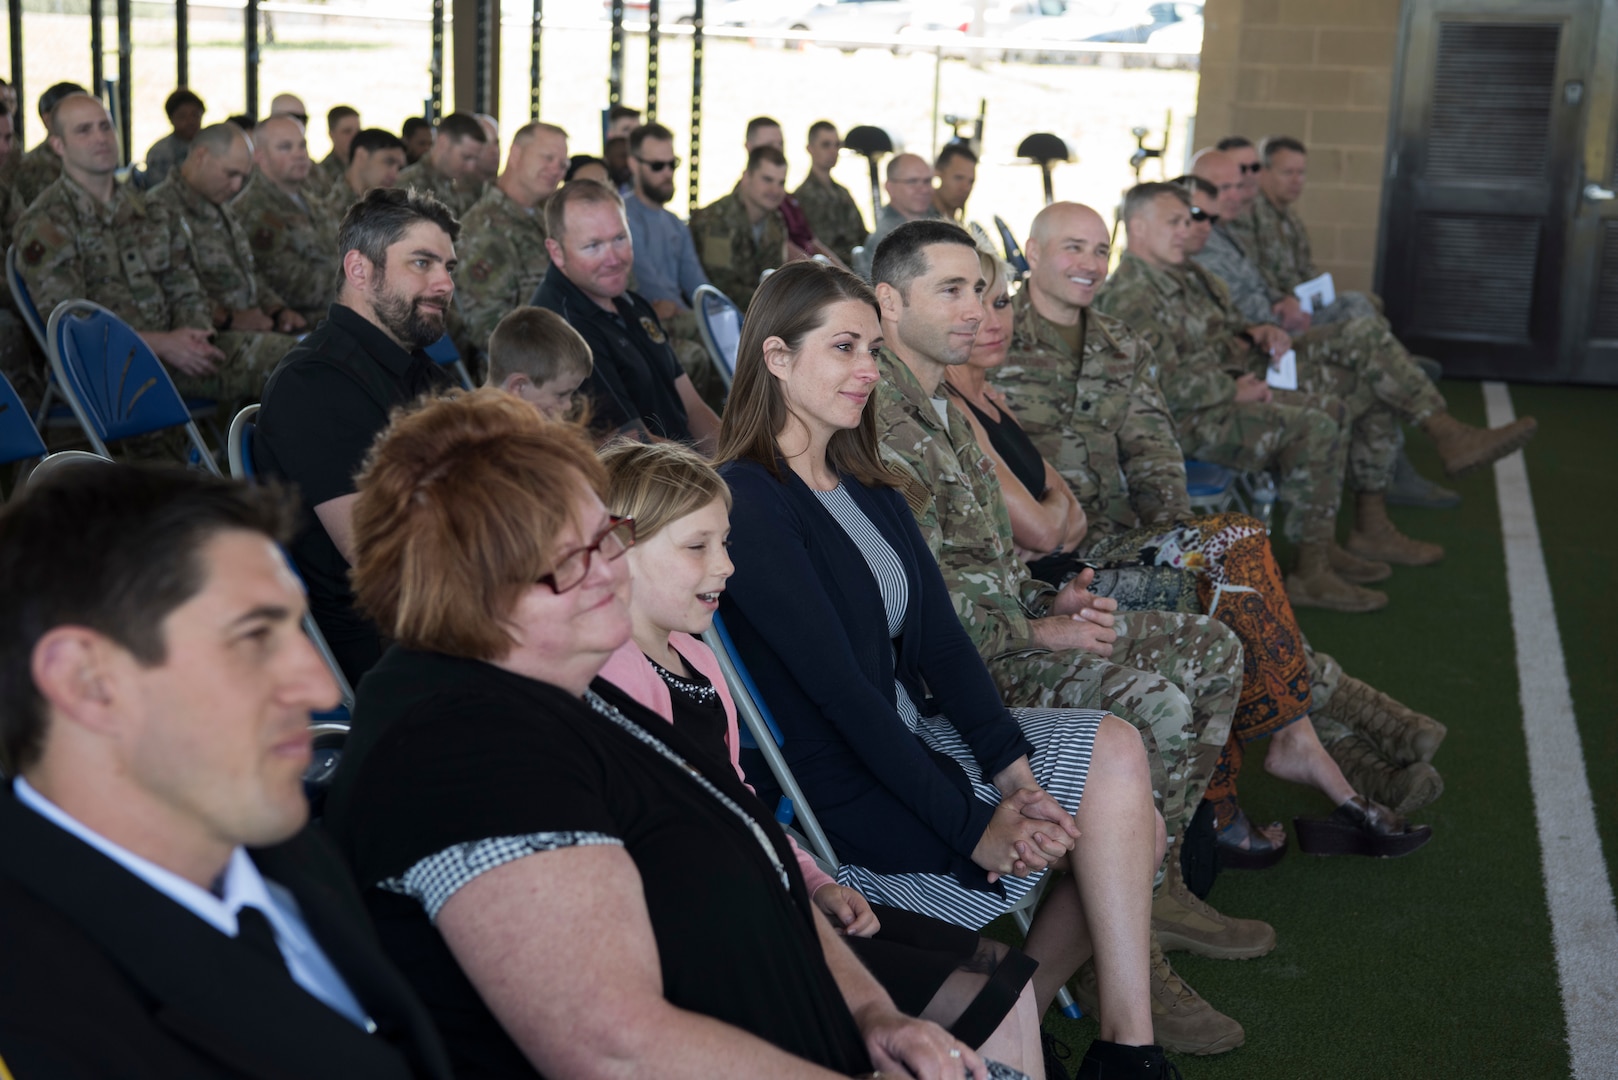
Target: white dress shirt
[[240, 886]]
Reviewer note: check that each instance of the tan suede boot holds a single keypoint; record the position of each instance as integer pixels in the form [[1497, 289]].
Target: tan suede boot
[[1402, 734], [1465, 448], [1355, 570], [1402, 789], [1375, 536], [1184, 923], [1181, 1020], [1315, 584]]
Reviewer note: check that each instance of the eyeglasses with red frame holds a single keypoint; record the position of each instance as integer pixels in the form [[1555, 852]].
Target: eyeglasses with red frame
[[572, 568]]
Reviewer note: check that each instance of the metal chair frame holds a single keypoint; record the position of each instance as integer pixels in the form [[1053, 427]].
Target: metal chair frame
[[726, 364], [750, 705], [240, 455]]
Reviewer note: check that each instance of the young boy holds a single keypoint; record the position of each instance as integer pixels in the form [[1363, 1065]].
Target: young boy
[[536, 355]]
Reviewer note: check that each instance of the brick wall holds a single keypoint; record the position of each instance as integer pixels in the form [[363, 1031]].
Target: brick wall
[[1321, 71]]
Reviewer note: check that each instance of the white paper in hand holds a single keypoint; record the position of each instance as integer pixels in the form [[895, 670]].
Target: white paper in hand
[[1315, 294], [1284, 374]]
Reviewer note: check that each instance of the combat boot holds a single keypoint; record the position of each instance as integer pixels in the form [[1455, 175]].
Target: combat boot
[[1402, 734], [1375, 536], [1315, 584], [1355, 570], [1403, 789], [1464, 447], [1181, 1020], [1183, 923], [1410, 488]]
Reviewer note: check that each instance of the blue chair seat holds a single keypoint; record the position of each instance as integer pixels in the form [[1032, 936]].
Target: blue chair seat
[[1204, 479]]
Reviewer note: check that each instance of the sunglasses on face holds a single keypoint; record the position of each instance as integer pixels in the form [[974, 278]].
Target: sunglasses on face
[[611, 542], [659, 166], [1252, 167], [1199, 215]]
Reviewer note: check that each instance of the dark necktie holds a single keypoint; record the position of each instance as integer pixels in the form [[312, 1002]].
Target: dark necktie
[[253, 930]]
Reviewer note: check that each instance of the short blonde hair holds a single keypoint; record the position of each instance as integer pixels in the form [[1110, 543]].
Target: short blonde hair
[[538, 343], [658, 483], [461, 503]]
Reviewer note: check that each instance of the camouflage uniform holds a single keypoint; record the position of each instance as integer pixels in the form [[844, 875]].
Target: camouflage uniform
[[730, 256], [220, 253], [1226, 257], [833, 215], [338, 198], [503, 260], [1279, 243], [1361, 366], [166, 155], [131, 257], [37, 171], [327, 172], [294, 245], [424, 178], [1186, 316], [1174, 677]]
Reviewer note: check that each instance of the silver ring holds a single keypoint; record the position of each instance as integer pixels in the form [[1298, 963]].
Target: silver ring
[[954, 1053]]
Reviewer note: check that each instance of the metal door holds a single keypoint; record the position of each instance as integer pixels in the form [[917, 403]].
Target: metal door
[[1591, 322], [1482, 198]]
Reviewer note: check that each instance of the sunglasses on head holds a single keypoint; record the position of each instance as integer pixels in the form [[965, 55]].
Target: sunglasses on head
[[1250, 167], [659, 166], [1199, 215]]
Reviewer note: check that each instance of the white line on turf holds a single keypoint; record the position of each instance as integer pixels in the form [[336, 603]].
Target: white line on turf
[[1584, 925]]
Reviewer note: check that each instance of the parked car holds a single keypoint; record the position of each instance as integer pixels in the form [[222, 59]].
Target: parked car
[[1133, 23], [950, 23], [838, 24]]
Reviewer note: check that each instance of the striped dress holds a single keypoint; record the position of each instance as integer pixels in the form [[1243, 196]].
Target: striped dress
[[1063, 740]]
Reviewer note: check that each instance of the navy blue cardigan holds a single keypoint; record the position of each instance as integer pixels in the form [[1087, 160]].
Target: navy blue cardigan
[[807, 618]]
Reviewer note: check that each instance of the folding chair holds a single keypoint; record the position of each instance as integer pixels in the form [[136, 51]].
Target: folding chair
[[1014, 255], [767, 735], [1212, 487], [115, 384], [719, 321], [19, 438], [240, 455], [47, 416], [445, 354], [65, 459]]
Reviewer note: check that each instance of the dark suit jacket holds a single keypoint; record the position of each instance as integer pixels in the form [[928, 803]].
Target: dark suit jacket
[[103, 976], [807, 617]]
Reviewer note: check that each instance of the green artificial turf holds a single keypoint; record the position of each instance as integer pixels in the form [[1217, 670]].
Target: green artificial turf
[[1441, 963]]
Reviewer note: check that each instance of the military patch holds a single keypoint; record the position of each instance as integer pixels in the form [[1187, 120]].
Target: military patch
[[716, 251], [34, 252], [653, 331], [263, 238], [481, 270]]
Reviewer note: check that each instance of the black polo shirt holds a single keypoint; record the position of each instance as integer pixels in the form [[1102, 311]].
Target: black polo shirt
[[324, 405], [635, 367]]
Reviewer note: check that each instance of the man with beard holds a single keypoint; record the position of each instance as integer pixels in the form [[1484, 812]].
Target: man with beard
[[504, 251], [667, 270], [327, 400]]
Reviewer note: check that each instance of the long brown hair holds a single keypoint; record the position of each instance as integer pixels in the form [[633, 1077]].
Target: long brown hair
[[791, 303]]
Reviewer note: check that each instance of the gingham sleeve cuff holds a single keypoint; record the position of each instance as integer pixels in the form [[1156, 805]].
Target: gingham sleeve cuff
[[433, 880]]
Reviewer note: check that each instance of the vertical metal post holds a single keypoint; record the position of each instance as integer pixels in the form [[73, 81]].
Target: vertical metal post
[[694, 158], [126, 80], [480, 61], [533, 63], [15, 12], [98, 45], [615, 71], [652, 38], [251, 31], [435, 104], [938, 75], [182, 44]]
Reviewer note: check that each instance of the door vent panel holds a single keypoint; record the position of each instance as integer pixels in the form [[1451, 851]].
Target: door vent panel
[[1605, 324], [1475, 275], [1493, 90]]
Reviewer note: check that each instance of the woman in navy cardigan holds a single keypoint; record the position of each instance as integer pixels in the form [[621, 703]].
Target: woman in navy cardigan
[[936, 797]]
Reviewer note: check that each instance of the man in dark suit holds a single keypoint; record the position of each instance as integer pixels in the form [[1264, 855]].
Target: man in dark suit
[[164, 911]]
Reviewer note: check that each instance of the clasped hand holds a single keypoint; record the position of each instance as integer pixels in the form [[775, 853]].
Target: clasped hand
[[1028, 832]]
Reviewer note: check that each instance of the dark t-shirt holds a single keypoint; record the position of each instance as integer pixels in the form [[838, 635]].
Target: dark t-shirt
[[635, 367], [447, 751], [1013, 445], [324, 405]]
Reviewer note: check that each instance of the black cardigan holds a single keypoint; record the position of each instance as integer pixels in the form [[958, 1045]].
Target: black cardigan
[[807, 618]]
